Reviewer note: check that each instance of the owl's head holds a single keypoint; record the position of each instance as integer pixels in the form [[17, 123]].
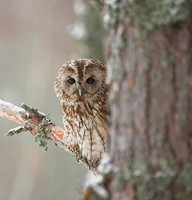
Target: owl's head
[[80, 80]]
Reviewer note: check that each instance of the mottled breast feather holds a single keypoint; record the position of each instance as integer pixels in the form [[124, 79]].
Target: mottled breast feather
[[85, 117]]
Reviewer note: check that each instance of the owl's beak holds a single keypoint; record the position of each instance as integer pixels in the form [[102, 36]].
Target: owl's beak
[[80, 91]]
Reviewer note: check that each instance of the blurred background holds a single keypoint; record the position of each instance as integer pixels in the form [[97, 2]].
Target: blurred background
[[34, 43]]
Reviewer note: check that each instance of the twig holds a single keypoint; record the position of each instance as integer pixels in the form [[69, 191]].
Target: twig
[[39, 125]]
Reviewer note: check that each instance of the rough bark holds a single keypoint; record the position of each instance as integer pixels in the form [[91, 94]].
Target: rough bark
[[151, 111]]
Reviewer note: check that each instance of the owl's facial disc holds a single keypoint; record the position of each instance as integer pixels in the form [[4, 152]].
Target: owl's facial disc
[[81, 80], [74, 89], [79, 91]]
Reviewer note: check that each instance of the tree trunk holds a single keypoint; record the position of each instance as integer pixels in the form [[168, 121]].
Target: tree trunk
[[150, 73]]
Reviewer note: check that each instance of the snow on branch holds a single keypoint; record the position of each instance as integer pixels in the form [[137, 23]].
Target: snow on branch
[[39, 125]]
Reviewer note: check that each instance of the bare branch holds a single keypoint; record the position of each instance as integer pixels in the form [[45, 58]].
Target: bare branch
[[11, 112], [39, 125]]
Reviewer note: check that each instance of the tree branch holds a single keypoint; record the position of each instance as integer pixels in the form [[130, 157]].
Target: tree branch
[[40, 126]]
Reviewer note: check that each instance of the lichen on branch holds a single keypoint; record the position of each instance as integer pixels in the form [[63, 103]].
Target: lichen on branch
[[38, 124]]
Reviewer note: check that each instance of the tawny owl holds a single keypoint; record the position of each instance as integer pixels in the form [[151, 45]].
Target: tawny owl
[[81, 88]]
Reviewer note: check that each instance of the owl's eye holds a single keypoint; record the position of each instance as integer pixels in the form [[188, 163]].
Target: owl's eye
[[90, 80], [71, 81]]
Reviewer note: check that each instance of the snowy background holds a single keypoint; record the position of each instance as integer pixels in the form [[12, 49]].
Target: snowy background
[[34, 43]]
